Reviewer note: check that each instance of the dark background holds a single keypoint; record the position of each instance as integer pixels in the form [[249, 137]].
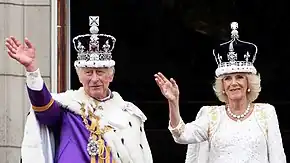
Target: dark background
[[176, 38]]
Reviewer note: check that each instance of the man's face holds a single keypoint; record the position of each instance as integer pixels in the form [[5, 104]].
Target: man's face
[[96, 81]]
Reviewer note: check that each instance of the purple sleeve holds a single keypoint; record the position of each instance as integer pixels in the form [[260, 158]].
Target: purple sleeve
[[47, 110]]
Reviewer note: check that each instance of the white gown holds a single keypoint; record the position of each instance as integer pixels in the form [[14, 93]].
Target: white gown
[[238, 142], [256, 139]]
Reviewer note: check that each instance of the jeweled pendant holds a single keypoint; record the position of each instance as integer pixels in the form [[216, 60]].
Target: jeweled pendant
[[92, 147]]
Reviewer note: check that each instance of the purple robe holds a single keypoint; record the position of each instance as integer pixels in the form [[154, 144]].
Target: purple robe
[[73, 135]]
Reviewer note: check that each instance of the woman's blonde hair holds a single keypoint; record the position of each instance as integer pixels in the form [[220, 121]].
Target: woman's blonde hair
[[254, 84]]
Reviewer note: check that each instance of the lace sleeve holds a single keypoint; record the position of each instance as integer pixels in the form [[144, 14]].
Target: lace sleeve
[[193, 132], [275, 146]]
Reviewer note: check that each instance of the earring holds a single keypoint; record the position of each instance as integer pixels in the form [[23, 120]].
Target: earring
[[249, 90], [224, 92]]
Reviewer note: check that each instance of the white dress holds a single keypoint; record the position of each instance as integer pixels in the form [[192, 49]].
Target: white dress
[[238, 142], [256, 139]]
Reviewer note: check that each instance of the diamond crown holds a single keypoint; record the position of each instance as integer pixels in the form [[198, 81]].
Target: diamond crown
[[94, 46], [235, 55]]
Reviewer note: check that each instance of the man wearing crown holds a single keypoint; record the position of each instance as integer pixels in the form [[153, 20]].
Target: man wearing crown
[[90, 125]]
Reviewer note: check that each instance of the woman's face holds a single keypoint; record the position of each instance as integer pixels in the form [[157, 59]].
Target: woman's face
[[235, 86]]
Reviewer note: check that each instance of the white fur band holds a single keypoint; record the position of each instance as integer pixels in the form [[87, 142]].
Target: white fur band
[[94, 64], [234, 69]]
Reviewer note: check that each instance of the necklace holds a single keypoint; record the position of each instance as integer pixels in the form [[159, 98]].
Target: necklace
[[96, 145], [238, 117]]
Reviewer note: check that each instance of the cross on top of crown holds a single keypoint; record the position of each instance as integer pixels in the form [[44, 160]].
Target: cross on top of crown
[[94, 20], [94, 23], [234, 27]]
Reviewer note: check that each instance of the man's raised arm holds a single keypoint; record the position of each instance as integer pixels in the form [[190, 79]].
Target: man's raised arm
[[46, 109]]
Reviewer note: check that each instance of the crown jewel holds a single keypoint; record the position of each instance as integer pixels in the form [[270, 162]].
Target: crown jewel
[[94, 49], [235, 55]]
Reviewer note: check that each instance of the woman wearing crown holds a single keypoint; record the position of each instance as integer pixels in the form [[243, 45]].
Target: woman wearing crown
[[88, 125], [240, 131]]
